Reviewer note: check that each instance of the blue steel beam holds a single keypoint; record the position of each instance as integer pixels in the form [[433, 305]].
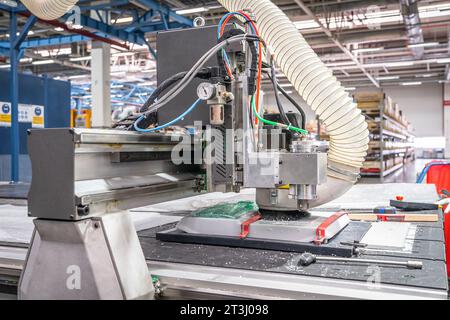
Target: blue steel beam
[[150, 49], [165, 10], [14, 97], [4, 7], [169, 19], [107, 30], [159, 27], [23, 34], [165, 20], [53, 41], [4, 52], [103, 6], [143, 20]]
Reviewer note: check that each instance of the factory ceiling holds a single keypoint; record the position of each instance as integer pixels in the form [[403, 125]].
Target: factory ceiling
[[390, 42]]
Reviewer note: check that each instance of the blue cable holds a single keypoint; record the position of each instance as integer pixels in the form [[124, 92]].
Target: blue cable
[[224, 53], [180, 117]]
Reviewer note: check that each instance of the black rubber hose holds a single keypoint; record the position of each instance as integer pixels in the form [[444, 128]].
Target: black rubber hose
[[161, 88], [295, 104], [204, 73], [291, 100], [283, 115], [151, 100], [254, 63]]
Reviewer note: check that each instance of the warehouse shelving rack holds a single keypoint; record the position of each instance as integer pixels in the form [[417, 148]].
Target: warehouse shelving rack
[[378, 120]]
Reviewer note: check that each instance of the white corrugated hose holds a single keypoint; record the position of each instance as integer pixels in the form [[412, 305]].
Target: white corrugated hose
[[49, 9], [316, 84]]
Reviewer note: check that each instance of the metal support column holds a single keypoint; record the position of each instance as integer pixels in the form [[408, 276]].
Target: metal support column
[[101, 96], [14, 95], [101, 79], [446, 104], [46, 99], [15, 40]]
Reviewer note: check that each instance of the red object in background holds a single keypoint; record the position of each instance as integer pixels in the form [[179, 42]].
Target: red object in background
[[439, 175], [399, 198]]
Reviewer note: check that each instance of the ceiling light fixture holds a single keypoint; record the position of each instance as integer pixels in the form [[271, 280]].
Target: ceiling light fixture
[[9, 3], [443, 60], [424, 44], [428, 75], [124, 20], [388, 78], [41, 62], [81, 58], [361, 50], [399, 64], [418, 83], [191, 10], [80, 76]]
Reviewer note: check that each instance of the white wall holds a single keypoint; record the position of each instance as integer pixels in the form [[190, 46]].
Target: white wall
[[446, 104], [422, 106]]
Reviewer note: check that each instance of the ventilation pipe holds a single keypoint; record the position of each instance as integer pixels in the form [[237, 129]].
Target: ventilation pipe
[[49, 9], [316, 84], [410, 13]]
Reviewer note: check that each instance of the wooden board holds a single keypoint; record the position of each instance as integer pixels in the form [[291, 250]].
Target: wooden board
[[408, 217], [369, 96]]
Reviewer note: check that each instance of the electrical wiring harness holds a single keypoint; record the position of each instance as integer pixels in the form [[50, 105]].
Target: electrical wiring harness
[[254, 104]]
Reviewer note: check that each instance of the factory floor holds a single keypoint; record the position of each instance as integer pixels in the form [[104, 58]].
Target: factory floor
[[408, 174]]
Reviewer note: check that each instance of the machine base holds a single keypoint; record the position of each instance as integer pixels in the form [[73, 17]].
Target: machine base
[[97, 258]]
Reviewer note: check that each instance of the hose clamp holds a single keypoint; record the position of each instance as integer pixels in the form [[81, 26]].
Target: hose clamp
[[343, 174]]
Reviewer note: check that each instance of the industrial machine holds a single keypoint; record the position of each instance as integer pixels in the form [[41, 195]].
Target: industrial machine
[[85, 246]]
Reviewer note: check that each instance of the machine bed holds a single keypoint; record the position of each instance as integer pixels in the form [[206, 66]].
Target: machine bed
[[428, 248], [211, 271]]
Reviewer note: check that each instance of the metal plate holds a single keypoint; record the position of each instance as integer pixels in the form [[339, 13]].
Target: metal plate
[[14, 191], [182, 49], [303, 168]]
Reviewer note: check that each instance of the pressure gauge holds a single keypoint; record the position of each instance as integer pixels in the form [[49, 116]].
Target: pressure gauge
[[206, 91]]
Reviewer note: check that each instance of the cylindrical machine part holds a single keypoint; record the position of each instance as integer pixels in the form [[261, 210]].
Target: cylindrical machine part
[[303, 191], [302, 146], [310, 77], [217, 114]]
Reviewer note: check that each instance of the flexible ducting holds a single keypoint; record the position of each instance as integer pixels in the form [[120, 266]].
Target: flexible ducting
[[49, 9], [411, 18], [316, 84]]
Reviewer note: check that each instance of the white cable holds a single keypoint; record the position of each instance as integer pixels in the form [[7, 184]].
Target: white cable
[[49, 9], [316, 84], [183, 83]]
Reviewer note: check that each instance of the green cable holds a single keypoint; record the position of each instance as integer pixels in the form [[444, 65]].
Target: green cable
[[272, 123]]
